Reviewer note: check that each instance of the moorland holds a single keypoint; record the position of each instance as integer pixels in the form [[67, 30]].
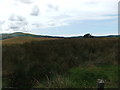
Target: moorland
[[47, 62]]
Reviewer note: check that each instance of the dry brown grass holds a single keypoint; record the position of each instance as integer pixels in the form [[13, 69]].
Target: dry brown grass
[[21, 40], [41, 57]]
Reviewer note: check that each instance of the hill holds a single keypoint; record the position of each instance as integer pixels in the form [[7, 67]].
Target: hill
[[20, 34], [62, 63]]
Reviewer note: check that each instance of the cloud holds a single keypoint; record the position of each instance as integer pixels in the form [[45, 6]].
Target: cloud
[[18, 26], [53, 13], [52, 7], [2, 22], [16, 18], [15, 23], [35, 11], [26, 1]]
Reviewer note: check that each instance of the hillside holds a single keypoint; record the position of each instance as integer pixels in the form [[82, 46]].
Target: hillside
[[24, 39], [46, 62], [16, 34], [21, 34]]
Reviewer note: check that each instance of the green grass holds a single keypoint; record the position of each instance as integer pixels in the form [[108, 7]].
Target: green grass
[[87, 77], [83, 77]]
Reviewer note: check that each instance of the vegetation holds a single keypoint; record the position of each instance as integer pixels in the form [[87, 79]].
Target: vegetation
[[22, 40], [60, 63]]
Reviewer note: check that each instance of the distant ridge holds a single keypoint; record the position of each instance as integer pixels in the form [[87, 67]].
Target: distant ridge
[[19, 34]]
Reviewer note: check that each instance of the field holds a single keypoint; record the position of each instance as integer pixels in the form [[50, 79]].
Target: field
[[21, 40], [59, 62]]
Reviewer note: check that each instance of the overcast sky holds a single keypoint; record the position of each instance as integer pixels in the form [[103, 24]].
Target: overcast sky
[[59, 17]]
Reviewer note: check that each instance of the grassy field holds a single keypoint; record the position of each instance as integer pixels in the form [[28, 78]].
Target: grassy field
[[59, 63], [21, 40]]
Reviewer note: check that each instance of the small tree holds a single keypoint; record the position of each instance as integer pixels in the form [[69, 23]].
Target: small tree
[[88, 35]]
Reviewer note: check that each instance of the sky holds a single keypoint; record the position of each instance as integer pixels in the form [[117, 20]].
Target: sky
[[59, 17]]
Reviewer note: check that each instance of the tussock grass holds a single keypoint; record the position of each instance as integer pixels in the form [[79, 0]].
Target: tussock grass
[[24, 63]]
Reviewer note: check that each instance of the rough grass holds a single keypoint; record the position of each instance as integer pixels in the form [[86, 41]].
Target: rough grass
[[33, 62], [83, 77], [23, 39], [87, 77]]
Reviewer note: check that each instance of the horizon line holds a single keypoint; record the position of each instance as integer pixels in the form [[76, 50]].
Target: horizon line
[[70, 35]]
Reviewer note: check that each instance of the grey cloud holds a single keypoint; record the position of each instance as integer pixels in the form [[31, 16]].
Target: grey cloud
[[50, 6], [16, 26], [16, 18], [35, 11], [26, 1], [17, 22]]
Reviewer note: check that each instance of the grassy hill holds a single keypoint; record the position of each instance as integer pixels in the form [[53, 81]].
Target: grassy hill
[[59, 63], [20, 34], [16, 34]]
